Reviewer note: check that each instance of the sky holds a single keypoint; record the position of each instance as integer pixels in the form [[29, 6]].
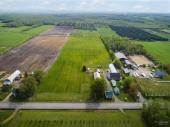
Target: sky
[[78, 6]]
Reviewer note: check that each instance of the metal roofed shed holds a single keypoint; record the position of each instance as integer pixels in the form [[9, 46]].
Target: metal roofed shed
[[12, 78], [114, 74], [121, 56], [113, 83]]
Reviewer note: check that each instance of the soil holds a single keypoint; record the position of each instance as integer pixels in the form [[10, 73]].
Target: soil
[[37, 53]]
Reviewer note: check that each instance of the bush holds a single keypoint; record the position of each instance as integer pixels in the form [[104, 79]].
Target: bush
[[127, 82], [167, 68], [38, 75], [154, 115], [133, 90], [118, 64], [26, 89], [98, 89]]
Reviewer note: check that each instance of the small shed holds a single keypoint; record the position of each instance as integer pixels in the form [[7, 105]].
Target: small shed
[[121, 56], [113, 82], [12, 77], [109, 94], [116, 91], [114, 74], [97, 75], [158, 74]]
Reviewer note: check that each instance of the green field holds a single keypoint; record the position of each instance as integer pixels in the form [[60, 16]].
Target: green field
[[160, 50], [4, 114], [77, 119], [12, 37], [154, 89], [65, 81]]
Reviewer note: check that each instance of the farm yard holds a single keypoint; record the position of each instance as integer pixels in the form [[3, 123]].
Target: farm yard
[[65, 81], [37, 53], [12, 37], [140, 60], [77, 119]]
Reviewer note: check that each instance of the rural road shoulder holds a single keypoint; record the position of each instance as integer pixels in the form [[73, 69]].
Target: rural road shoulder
[[70, 106]]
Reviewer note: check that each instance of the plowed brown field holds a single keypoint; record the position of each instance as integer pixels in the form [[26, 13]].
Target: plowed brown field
[[38, 53]]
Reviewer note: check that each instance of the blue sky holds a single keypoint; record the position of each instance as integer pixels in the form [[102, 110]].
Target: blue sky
[[58, 6]]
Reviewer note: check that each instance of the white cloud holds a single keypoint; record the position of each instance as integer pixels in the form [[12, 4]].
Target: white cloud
[[85, 5]]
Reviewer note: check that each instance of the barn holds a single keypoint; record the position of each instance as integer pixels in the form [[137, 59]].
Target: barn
[[114, 74], [121, 56], [12, 78]]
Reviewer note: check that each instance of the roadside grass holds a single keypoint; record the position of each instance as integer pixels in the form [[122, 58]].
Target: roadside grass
[[65, 81], [4, 114], [12, 37], [159, 50], [154, 89], [77, 119]]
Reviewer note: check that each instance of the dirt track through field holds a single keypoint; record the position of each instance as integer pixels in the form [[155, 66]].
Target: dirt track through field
[[38, 53]]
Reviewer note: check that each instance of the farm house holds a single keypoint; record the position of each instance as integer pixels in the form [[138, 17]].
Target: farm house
[[121, 56], [12, 78], [114, 74]]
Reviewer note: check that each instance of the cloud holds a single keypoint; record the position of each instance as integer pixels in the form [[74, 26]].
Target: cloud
[[54, 6]]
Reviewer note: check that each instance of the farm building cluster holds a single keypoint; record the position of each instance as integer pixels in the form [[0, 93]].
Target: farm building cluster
[[138, 66], [111, 76]]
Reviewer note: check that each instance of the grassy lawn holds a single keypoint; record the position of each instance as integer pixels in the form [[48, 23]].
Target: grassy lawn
[[65, 81], [154, 89], [12, 37], [160, 50], [4, 114], [77, 119]]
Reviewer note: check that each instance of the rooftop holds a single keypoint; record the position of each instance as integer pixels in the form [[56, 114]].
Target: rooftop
[[120, 55], [112, 68]]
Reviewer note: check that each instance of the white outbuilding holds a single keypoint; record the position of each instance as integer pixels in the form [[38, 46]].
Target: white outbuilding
[[12, 77], [97, 75]]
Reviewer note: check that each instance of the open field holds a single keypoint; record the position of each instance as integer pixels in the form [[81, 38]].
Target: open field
[[37, 53], [77, 119], [159, 32], [160, 50], [65, 81], [154, 89], [137, 33], [12, 37], [4, 114]]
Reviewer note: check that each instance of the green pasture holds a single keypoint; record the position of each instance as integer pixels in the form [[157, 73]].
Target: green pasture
[[160, 50], [12, 37], [77, 119], [4, 114], [65, 80], [154, 89]]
